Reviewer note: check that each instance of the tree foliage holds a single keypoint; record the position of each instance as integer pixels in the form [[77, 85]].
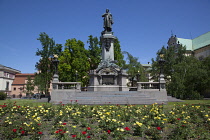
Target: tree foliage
[[45, 65], [172, 56], [189, 79], [94, 52], [39, 82], [29, 86], [74, 65], [186, 76], [118, 54], [133, 68]]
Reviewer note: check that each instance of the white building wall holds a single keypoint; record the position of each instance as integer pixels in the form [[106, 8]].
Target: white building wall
[[1, 84]]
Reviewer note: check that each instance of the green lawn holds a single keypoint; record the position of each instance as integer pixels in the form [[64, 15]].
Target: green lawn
[[21, 102], [168, 106]]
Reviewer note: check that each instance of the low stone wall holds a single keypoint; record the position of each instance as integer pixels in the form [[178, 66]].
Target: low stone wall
[[108, 88], [64, 90], [155, 93]]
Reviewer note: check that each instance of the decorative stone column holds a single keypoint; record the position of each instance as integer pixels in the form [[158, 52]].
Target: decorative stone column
[[107, 40]]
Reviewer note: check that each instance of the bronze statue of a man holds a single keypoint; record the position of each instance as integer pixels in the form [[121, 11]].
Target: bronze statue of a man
[[108, 21]]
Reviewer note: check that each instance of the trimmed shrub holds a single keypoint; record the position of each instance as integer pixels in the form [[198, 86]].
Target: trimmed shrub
[[3, 96]]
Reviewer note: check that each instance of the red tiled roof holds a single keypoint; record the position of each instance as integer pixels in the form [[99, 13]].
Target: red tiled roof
[[21, 77]]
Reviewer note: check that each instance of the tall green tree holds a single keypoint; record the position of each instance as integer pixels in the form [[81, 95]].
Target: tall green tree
[[29, 86], [45, 65], [94, 52], [118, 54], [66, 74], [134, 68], [76, 64], [172, 56], [189, 79], [39, 82]]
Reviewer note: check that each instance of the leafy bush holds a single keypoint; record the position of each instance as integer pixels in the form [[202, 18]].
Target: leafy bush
[[3, 96]]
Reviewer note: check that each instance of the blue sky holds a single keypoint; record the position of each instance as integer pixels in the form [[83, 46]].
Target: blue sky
[[142, 26]]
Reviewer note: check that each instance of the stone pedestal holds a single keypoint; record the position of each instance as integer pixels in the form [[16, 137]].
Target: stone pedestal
[[162, 82], [108, 76], [107, 40]]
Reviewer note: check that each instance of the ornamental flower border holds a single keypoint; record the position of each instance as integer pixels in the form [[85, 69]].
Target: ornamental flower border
[[73, 121]]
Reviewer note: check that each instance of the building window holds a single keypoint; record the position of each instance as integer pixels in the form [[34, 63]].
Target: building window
[[14, 88], [7, 86]]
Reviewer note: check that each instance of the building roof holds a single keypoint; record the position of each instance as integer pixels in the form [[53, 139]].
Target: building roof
[[8, 69], [20, 78], [186, 42], [201, 41], [196, 43]]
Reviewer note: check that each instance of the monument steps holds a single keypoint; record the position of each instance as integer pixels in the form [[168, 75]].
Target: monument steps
[[128, 97]]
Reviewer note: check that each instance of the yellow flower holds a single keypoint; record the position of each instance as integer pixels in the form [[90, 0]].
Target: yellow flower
[[74, 126], [139, 124], [10, 122], [114, 120], [206, 115], [184, 121]]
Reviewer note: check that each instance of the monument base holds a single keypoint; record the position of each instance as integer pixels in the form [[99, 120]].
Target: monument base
[[108, 88], [108, 79]]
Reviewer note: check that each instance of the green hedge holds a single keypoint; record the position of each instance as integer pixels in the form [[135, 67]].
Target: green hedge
[[3, 96]]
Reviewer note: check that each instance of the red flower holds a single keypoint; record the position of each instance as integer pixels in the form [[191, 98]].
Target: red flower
[[178, 119], [14, 130], [22, 132], [127, 128], [57, 132], [21, 128], [64, 123], [73, 136], [88, 137], [108, 131], [40, 133], [60, 130], [88, 128], [158, 128], [83, 132], [39, 123]]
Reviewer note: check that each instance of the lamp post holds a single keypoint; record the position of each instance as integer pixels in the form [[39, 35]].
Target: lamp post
[[76, 75], [161, 62], [138, 76], [55, 62]]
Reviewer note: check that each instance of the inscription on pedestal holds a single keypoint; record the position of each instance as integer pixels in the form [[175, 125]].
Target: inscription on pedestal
[[108, 80]]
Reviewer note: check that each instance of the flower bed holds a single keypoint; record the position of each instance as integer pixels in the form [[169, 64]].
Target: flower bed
[[104, 122]]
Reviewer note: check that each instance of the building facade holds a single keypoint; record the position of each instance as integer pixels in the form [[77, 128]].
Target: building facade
[[7, 76], [198, 47], [19, 84]]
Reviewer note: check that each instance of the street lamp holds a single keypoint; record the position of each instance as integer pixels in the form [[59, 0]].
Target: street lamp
[[161, 62], [76, 75], [138, 76], [55, 63]]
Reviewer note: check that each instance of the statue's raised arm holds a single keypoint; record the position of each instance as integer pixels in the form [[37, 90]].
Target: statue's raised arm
[[108, 21]]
